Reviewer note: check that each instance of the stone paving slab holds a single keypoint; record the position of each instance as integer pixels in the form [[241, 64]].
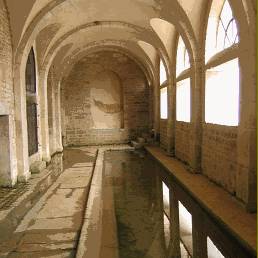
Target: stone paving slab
[[57, 204], [55, 223], [43, 238], [24, 201], [45, 254], [51, 227], [23, 248]]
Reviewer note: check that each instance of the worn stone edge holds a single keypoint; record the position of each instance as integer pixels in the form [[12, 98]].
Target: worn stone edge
[[94, 206]]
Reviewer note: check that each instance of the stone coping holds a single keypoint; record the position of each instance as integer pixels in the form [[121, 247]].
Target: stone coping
[[90, 242], [215, 200]]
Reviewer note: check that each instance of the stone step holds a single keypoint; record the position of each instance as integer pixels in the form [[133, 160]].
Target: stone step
[[137, 145]]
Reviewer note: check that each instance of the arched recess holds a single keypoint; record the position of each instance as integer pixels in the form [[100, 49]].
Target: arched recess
[[111, 66], [31, 104], [63, 61]]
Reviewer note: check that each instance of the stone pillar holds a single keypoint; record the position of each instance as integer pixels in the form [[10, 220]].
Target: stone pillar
[[171, 122], [156, 109], [246, 182], [59, 145], [197, 114], [42, 89], [21, 123]]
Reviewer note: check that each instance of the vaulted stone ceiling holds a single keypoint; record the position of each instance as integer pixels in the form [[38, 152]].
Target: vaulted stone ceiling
[[84, 25]]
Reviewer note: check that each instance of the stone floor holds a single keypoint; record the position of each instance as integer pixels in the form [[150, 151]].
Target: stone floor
[[9, 195], [52, 226]]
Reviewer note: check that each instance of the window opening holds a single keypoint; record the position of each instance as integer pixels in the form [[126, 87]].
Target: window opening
[[164, 103], [183, 100], [222, 94], [185, 228], [213, 251]]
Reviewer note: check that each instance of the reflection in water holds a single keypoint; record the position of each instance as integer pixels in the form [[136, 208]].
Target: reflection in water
[[138, 205], [143, 210]]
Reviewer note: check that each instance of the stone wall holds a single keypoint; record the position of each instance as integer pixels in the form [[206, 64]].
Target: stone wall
[[105, 100], [182, 141], [6, 86], [8, 165], [219, 155], [163, 133]]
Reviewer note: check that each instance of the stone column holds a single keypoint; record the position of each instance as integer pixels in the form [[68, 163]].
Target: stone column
[[246, 184], [156, 109], [21, 123], [197, 114], [171, 122], [59, 145], [44, 130]]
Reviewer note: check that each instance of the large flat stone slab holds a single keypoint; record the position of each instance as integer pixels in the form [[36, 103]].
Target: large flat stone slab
[[56, 223], [44, 238], [64, 203], [27, 247], [76, 182], [45, 254]]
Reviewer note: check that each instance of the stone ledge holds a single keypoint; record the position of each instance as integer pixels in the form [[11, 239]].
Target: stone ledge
[[91, 232], [231, 215]]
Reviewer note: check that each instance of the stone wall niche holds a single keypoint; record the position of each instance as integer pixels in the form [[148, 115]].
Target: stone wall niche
[[5, 164], [106, 101]]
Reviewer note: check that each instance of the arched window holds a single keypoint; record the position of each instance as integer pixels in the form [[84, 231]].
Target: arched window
[[31, 101], [222, 71], [183, 85], [222, 29], [227, 30], [163, 92]]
